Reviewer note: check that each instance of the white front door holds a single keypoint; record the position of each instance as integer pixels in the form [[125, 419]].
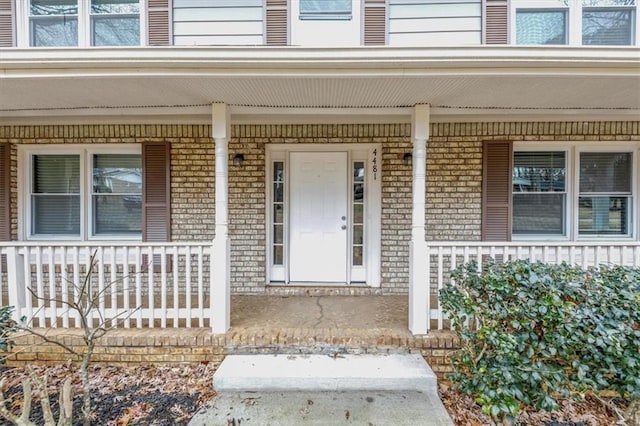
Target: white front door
[[318, 217]]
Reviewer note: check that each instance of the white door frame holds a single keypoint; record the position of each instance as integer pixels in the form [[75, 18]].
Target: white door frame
[[371, 155]]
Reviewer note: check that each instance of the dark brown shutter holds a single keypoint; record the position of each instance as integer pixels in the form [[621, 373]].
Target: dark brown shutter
[[158, 22], [277, 25], [7, 31], [156, 204], [496, 22], [5, 217], [375, 22], [497, 167]]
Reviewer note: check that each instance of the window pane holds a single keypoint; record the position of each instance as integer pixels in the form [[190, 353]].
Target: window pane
[[54, 7], [278, 234], [357, 234], [278, 255], [541, 213], [325, 6], [278, 213], [358, 192], [541, 27], [587, 3], [357, 256], [128, 7], [117, 178], [539, 171], [358, 213], [605, 172], [604, 215], [55, 214], [607, 27], [116, 31], [114, 173], [56, 174], [116, 214], [54, 32]]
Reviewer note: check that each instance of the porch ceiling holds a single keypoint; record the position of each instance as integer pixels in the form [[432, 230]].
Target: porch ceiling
[[183, 82]]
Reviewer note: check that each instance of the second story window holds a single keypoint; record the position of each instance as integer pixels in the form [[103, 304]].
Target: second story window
[[574, 22], [325, 9], [608, 23], [541, 26], [61, 23]]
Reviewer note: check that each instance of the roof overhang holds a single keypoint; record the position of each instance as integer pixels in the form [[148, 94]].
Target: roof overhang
[[303, 85]]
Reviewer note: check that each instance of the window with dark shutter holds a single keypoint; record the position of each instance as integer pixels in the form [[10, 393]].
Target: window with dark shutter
[[375, 22], [496, 190], [6, 23], [158, 22], [5, 218], [496, 22], [277, 23]]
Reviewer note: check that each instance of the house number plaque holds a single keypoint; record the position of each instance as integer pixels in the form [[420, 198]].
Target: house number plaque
[[374, 164]]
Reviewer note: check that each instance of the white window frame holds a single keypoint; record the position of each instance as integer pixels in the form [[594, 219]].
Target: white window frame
[[572, 182], [326, 15], [568, 190], [574, 18], [23, 26], [369, 273], [85, 152], [633, 233]]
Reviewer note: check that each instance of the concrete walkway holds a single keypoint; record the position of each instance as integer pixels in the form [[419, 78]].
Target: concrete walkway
[[396, 389]]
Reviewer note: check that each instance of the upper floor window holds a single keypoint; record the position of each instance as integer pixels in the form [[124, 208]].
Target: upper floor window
[[325, 9], [575, 22], [608, 23], [59, 23], [541, 26]]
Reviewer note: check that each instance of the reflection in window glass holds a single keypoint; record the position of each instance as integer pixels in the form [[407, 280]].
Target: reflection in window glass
[[539, 193], [541, 26], [605, 193], [115, 22], [325, 9], [608, 27], [117, 194], [53, 23]]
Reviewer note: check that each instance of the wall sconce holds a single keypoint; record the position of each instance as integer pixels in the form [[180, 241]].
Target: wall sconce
[[238, 159], [407, 158]]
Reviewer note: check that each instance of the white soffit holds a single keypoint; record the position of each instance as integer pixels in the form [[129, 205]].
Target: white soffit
[[180, 82]]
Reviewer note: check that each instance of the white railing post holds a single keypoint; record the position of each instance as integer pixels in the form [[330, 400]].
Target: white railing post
[[419, 288], [16, 281], [220, 273]]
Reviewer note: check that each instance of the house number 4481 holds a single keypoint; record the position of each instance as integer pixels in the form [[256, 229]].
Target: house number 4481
[[374, 164]]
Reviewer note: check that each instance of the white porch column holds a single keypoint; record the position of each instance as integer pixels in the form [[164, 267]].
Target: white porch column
[[221, 250], [16, 282], [418, 255]]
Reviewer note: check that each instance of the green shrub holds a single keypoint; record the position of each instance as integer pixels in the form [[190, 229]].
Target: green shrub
[[533, 333], [7, 326]]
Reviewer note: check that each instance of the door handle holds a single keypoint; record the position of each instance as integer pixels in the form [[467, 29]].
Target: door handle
[[343, 227], [343, 218]]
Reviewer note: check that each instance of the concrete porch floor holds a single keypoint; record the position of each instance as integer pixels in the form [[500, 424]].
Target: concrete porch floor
[[321, 312]]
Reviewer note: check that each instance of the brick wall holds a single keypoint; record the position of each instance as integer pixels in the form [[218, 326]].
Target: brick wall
[[454, 178], [247, 197]]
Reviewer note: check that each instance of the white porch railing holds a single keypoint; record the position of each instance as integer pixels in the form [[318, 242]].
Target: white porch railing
[[446, 256], [134, 285]]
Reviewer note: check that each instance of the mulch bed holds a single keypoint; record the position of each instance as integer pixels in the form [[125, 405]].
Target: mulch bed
[[171, 395]]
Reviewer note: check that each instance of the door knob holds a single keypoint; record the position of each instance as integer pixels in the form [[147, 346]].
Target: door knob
[[343, 227], [344, 218]]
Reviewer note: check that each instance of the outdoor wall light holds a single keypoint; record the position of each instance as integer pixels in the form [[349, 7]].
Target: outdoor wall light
[[238, 159], [407, 158]]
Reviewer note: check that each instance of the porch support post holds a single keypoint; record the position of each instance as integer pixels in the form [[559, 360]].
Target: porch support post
[[418, 253], [16, 282], [220, 273]]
